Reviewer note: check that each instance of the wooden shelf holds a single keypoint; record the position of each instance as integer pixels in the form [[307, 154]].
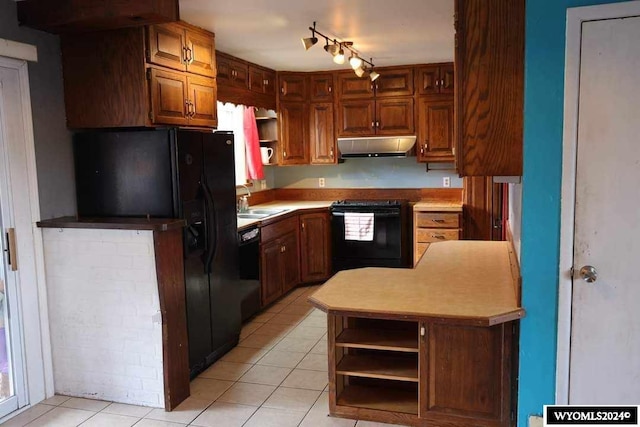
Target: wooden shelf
[[379, 366], [380, 398], [398, 340], [267, 141], [266, 118]]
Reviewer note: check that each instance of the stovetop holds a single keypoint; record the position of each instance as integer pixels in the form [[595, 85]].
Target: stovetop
[[368, 203]]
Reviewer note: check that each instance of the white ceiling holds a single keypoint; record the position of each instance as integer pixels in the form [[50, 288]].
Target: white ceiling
[[268, 32]]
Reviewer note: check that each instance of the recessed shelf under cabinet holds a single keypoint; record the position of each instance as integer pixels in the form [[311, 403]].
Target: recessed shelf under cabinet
[[380, 398], [391, 340], [379, 366]]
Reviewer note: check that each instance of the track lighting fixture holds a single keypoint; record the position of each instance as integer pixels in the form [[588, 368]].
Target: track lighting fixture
[[337, 50]]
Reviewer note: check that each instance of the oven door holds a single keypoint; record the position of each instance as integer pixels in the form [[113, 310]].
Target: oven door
[[384, 251]]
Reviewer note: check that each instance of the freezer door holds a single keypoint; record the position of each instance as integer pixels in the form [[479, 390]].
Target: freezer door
[[223, 279]]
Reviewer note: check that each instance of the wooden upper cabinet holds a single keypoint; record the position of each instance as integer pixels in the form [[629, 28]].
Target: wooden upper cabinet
[[351, 86], [293, 86], [393, 82], [356, 118], [435, 79], [394, 116], [201, 53], [146, 82], [315, 258], [435, 130], [72, 16], [166, 46], [294, 132], [322, 139], [231, 72], [202, 98], [490, 87], [262, 80], [168, 97], [321, 87], [181, 48]]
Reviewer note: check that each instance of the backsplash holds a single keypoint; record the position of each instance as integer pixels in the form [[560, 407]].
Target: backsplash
[[364, 173]]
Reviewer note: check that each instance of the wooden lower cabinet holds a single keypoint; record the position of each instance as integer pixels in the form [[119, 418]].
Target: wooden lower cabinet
[[315, 257], [430, 227], [279, 259], [421, 373]]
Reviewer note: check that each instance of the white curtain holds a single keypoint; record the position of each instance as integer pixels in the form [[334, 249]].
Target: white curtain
[[230, 117]]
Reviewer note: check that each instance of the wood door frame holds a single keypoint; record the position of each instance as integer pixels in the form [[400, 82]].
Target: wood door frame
[[575, 18], [33, 293]]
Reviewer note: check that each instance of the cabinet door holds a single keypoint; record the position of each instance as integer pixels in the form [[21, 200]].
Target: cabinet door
[[256, 80], [202, 98], [435, 130], [490, 87], [201, 58], [356, 118], [239, 75], [293, 87], [351, 86], [269, 82], [168, 97], [270, 271], [290, 261], [321, 88], [447, 81], [223, 67], [165, 46], [314, 247], [294, 131], [322, 138], [394, 116], [394, 82], [428, 80]]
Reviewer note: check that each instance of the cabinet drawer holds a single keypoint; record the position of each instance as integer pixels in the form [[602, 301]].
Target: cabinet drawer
[[437, 220], [428, 235], [275, 230]]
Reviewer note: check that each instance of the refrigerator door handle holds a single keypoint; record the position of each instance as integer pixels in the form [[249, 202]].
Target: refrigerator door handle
[[212, 233]]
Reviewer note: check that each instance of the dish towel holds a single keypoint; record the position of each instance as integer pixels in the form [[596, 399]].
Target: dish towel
[[358, 226], [252, 145]]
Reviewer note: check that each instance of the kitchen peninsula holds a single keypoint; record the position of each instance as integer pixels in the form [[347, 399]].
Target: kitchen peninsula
[[435, 344]]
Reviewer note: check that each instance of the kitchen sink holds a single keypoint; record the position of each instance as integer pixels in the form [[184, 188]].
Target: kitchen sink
[[259, 213]]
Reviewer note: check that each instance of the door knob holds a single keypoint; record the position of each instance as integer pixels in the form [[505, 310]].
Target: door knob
[[589, 274]]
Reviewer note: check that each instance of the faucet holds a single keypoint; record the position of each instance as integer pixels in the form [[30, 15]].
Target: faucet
[[243, 203]]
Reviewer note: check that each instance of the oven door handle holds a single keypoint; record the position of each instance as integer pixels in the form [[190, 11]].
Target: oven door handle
[[375, 214]]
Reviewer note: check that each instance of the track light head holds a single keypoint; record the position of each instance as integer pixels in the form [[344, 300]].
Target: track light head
[[355, 61], [331, 48], [359, 71], [308, 42], [338, 58], [373, 75]]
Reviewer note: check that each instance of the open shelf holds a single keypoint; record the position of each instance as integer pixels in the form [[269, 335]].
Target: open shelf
[[380, 398], [379, 366], [268, 141], [392, 340]]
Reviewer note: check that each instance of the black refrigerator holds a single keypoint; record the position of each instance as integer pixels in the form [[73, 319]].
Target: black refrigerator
[[175, 174]]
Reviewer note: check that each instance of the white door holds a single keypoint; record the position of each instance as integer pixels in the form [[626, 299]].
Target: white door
[[12, 387], [605, 330]]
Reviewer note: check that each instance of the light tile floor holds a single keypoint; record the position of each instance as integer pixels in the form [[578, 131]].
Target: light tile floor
[[276, 376]]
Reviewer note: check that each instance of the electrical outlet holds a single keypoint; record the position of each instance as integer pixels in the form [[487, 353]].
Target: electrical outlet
[[446, 182], [321, 182], [263, 184]]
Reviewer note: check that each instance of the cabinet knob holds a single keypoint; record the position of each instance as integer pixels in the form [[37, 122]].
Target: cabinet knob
[[377, 124], [437, 83], [423, 331], [284, 154], [331, 153], [330, 89], [438, 236], [282, 90], [453, 151], [426, 146], [373, 124], [422, 151], [302, 225], [442, 83]]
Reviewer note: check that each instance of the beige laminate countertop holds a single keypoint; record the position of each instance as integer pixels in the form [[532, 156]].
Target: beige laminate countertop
[[467, 282], [288, 206], [293, 205], [434, 206]]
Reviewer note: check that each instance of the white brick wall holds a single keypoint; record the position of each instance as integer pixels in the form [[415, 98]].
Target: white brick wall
[[102, 292]]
